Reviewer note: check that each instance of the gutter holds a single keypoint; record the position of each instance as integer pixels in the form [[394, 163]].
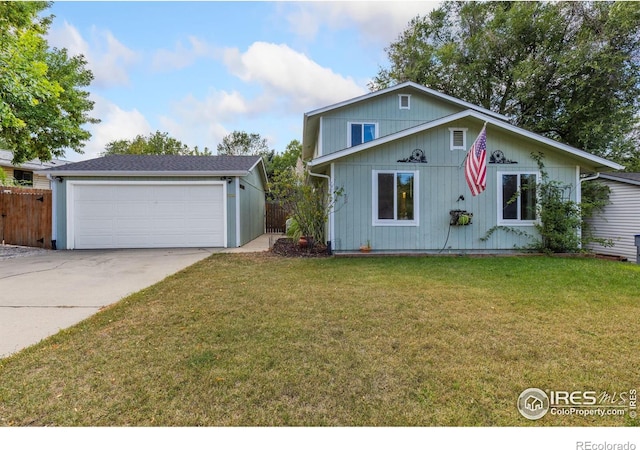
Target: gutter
[[593, 177]]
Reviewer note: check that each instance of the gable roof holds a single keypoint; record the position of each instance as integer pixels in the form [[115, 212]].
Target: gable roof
[[6, 160], [623, 177], [161, 165], [312, 118], [580, 154]]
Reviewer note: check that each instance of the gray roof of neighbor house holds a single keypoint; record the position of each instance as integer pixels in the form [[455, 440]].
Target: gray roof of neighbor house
[[6, 160], [624, 177], [160, 165]]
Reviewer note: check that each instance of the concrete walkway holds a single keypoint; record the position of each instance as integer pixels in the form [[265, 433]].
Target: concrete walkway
[[260, 244]]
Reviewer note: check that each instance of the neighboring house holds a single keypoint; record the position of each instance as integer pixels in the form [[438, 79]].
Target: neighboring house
[[399, 154], [620, 219], [24, 174], [142, 201]]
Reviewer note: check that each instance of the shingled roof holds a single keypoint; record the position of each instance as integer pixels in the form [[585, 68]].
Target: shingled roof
[[159, 165], [623, 177]]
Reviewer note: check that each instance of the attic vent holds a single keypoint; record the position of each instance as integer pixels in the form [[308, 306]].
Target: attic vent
[[458, 138], [405, 101]]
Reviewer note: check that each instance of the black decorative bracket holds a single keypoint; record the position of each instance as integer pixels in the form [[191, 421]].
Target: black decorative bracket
[[417, 156], [497, 157]]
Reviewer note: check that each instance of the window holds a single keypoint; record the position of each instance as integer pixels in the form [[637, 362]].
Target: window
[[359, 133], [395, 198], [405, 101], [23, 177], [517, 198], [458, 138]]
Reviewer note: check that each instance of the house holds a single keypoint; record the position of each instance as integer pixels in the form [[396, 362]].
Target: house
[[143, 201], [24, 174], [620, 219], [398, 154]]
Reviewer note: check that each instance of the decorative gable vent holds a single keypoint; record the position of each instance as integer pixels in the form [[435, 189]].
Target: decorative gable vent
[[458, 139], [405, 101]]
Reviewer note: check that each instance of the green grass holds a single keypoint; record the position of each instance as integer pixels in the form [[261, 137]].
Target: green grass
[[256, 340]]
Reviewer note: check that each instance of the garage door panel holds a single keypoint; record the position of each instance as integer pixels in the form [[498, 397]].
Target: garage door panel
[[144, 216]]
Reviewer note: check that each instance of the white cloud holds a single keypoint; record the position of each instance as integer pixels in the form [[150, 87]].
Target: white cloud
[[182, 56], [291, 76], [377, 21], [107, 58], [115, 124]]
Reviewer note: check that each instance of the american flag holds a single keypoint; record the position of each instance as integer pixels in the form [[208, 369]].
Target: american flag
[[475, 166]]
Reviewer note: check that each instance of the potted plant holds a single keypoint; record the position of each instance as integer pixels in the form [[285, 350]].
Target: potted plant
[[366, 248], [460, 217]]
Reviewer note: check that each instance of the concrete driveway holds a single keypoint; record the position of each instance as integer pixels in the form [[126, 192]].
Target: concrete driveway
[[46, 291]]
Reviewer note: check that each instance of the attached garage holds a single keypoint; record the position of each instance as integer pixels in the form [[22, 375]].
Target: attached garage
[[135, 201]]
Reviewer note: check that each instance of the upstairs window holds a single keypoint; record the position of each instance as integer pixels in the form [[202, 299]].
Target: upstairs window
[[458, 138], [361, 132], [405, 101]]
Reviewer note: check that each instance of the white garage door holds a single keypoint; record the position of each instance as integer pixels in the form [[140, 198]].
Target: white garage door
[[146, 215]]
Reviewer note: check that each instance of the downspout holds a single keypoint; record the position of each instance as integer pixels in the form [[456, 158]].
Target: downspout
[[328, 178], [593, 177], [54, 210]]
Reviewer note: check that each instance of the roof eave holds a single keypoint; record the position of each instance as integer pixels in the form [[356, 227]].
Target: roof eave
[[597, 161], [619, 179], [144, 173]]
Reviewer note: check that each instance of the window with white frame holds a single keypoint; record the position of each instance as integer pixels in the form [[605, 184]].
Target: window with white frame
[[395, 197], [458, 138], [517, 198], [361, 132], [405, 101]]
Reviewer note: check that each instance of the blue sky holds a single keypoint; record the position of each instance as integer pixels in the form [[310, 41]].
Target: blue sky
[[200, 70]]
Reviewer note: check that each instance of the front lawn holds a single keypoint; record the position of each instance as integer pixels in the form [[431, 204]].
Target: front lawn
[[255, 339]]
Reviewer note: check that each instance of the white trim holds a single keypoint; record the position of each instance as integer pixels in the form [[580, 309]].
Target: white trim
[[514, 222], [332, 219], [452, 132], [319, 144], [596, 160], [145, 173], [578, 201], [416, 200], [237, 188], [408, 97], [70, 192], [350, 124]]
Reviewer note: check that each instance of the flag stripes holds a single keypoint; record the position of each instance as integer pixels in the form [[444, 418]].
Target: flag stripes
[[475, 166]]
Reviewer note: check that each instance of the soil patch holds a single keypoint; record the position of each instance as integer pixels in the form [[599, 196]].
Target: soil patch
[[286, 247]]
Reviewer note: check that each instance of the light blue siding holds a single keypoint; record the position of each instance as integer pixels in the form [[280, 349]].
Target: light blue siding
[[252, 207], [383, 110], [441, 184]]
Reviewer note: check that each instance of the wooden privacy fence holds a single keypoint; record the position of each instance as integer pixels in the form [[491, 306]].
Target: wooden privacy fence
[[276, 218], [25, 217]]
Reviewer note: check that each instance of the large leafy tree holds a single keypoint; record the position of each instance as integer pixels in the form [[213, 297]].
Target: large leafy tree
[[566, 70], [42, 102], [157, 143], [242, 143]]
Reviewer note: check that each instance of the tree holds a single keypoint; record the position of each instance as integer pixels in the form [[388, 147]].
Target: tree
[[242, 143], [157, 143], [288, 159], [42, 103], [307, 203], [567, 70]]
